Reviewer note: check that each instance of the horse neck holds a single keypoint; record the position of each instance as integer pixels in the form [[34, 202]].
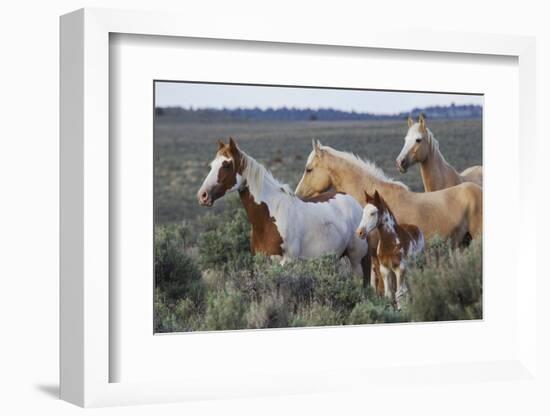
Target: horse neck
[[354, 180], [263, 188], [436, 172], [258, 215], [387, 226]]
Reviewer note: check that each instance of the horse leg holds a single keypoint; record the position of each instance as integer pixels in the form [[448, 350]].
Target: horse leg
[[377, 281], [357, 251], [387, 284], [284, 259], [366, 265]]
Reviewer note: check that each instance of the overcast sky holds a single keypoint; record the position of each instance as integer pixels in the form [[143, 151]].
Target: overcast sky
[[231, 96]]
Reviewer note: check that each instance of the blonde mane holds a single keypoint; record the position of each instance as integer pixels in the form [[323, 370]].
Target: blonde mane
[[365, 165], [434, 144], [256, 176]]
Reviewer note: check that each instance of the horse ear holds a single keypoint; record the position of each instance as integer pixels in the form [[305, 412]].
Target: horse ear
[[317, 147], [422, 120], [376, 198], [410, 121], [368, 198], [232, 145], [221, 145]]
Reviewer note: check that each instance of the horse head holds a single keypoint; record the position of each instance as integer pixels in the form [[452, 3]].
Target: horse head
[[416, 146], [371, 215], [316, 178], [225, 174]]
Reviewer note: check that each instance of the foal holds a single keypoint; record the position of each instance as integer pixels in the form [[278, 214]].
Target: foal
[[397, 242]]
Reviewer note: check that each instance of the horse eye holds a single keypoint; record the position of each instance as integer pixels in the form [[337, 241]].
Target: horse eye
[[226, 165], [418, 140], [308, 170]]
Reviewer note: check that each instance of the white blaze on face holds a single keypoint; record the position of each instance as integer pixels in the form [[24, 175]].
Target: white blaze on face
[[211, 179], [412, 136], [369, 219]]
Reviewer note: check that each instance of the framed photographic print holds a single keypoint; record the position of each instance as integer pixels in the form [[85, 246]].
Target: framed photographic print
[[267, 214]]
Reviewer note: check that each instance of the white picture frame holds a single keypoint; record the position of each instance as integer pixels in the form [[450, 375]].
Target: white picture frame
[[85, 354]]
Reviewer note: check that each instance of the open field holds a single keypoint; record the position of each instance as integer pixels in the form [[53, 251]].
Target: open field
[[205, 276], [183, 150]]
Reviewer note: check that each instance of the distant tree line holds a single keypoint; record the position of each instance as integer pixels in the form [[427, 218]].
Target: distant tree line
[[324, 114]]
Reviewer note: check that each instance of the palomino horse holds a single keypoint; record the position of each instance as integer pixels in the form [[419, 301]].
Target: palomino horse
[[451, 213], [397, 243], [283, 224], [422, 147]]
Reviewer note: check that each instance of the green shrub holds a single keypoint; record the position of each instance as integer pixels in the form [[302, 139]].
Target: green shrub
[[448, 286], [225, 239], [317, 315], [237, 290], [376, 311], [270, 312], [185, 315], [176, 276], [225, 310], [324, 280], [335, 287]]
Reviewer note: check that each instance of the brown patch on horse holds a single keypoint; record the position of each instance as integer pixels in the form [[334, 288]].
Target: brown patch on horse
[[231, 151], [265, 237]]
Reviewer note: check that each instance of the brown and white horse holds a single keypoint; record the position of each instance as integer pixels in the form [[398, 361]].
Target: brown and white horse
[[282, 224], [422, 147], [397, 243]]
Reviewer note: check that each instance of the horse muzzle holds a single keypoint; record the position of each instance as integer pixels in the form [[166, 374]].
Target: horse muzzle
[[205, 199], [362, 233], [402, 165]]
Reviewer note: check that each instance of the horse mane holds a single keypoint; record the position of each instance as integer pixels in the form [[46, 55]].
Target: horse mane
[[363, 164], [256, 175], [387, 209], [434, 145]]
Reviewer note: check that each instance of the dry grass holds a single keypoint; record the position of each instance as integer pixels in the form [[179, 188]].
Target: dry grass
[[183, 151]]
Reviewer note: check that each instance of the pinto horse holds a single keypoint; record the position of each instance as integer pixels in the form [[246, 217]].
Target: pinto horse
[[422, 147], [397, 243], [283, 224]]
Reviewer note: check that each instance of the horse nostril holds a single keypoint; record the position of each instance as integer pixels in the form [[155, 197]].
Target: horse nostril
[[203, 197]]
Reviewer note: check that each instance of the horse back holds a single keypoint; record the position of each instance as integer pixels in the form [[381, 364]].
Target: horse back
[[473, 174]]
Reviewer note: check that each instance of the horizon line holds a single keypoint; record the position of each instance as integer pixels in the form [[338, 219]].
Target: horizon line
[[191, 108]]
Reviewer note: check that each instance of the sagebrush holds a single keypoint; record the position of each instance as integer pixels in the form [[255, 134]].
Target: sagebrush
[[214, 283]]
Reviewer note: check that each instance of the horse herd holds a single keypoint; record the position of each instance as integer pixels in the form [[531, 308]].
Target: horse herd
[[347, 206]]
